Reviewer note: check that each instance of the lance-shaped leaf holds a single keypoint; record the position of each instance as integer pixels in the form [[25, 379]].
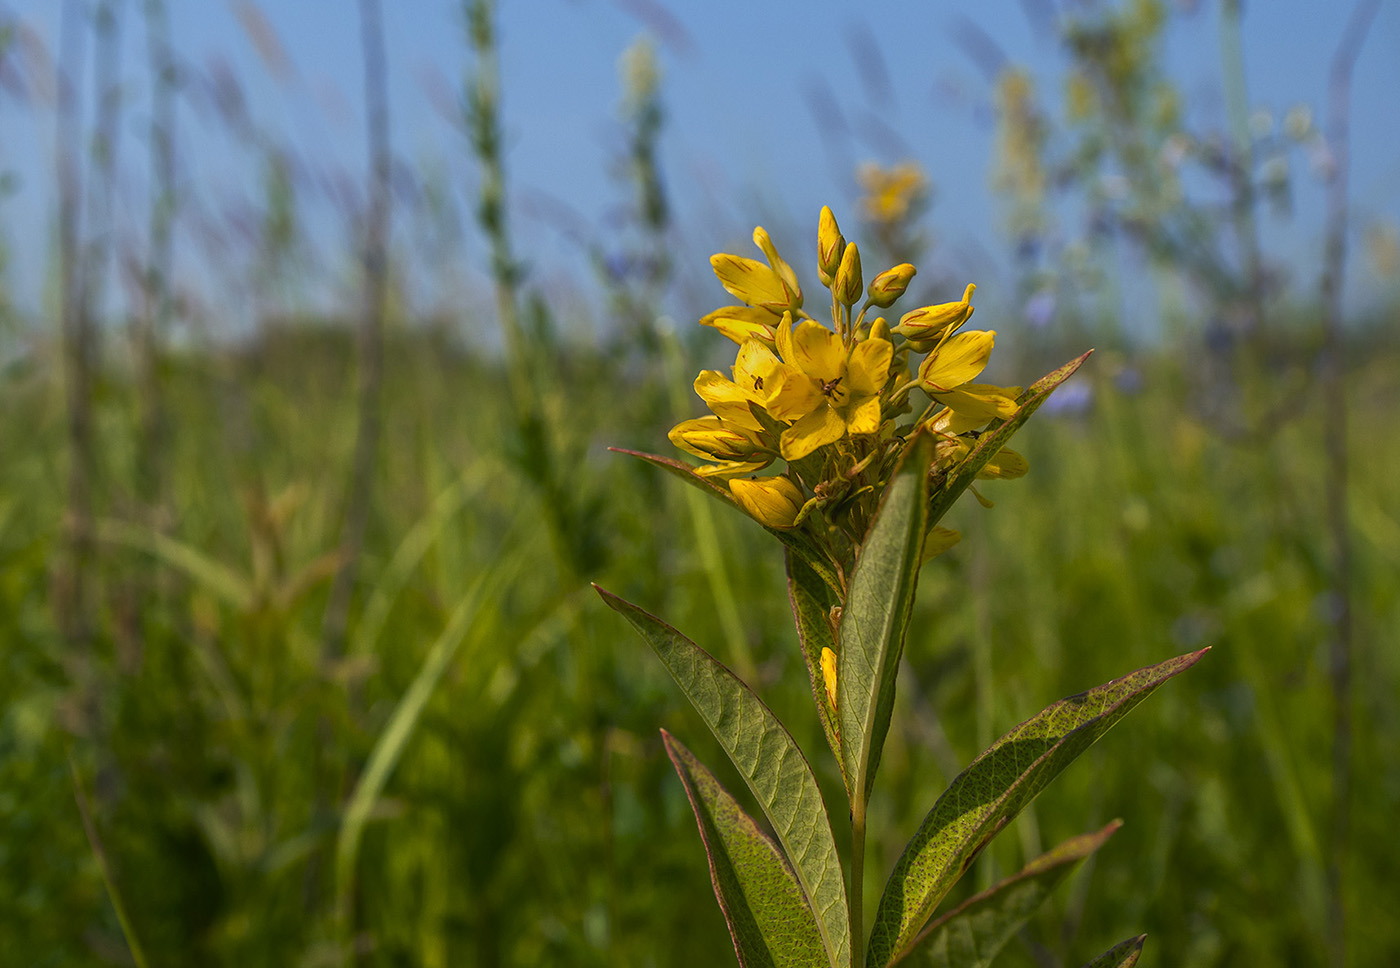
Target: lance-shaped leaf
[[768, 916], [797, 540], [811, 602], [1125, 954], [988, 794], [996, 437], [876, 616], [771, 764], [970, 935]]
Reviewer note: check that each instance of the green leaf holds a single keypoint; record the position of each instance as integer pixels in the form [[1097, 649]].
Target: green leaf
[[1122, 955], [996, 437], [876, 616], [771, 764], [767, 913], [988, 794], [796, 539], [971, 935], [811, 602]]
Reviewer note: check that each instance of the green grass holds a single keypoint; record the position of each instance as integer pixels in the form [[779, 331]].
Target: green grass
[[512, 800]]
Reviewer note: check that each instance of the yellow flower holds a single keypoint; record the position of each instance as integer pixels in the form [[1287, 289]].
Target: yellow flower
[[755, 374], [771, 501], [772, 287], [827, 391], [891, 192]]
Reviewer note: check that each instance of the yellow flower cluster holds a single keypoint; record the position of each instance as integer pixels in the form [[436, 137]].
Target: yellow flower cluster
[[826, 400]]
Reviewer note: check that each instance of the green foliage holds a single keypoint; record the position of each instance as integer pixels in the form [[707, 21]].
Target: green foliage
[[211, 707], [973, 933], [771, 763], [990, 792], [766, 907]]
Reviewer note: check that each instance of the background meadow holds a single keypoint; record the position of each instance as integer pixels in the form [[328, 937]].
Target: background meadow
[[316, 324]]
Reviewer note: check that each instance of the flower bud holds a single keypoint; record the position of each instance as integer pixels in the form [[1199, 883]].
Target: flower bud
[[848, 284], [929, 323], [830, 247], [714, 439], [879, 329], [771, 501], [829, 674], [890, 285]]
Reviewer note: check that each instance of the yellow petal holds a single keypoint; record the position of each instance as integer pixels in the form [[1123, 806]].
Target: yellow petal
[[726, 399], [939, 540], [980, 401], [816, 351], [829, 675], [784, 271], [792, 394], [731, 468], [820, 427], [753, 368], [741, 323], [958, 360], [772, 501], [1006, 464], [751, 282], [863, 418], [952, 423], [868, 370]]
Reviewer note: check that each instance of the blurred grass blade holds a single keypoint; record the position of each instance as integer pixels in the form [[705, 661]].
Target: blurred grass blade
[[133, 945], [811, 602], [988, 794], [393, 739], [996, 437], [799, 542], [219, 579], [771, 763], [764, 905], [1125, 954], [407, 556], [876, 616], [971, 935]]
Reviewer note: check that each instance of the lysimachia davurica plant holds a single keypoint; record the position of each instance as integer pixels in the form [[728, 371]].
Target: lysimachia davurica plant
[[875, 445]]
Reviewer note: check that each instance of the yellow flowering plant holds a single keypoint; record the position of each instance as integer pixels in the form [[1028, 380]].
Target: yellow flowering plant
[[849, 450]]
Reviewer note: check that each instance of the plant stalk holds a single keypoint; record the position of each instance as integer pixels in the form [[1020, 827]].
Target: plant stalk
[[856, 893]]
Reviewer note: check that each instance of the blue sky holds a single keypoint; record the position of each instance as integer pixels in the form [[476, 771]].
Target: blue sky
[[742, 144]]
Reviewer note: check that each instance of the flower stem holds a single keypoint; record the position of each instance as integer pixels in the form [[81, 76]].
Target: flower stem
[[856, 897]]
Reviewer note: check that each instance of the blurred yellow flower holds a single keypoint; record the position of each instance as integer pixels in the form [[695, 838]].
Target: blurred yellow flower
[[891, 192]]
